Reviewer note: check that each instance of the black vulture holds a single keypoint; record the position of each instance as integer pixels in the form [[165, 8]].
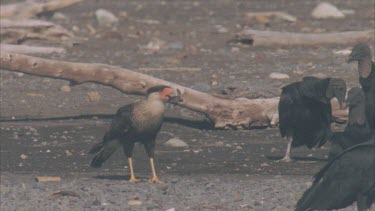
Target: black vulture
[[137, 122], [348, 178], [357, 130], [305, 111], [366, 67]]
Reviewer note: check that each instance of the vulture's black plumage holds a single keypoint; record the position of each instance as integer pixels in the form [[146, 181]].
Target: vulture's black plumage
[[366, 67], [348, 178], [137, 122], [305, 111], [357, 130]]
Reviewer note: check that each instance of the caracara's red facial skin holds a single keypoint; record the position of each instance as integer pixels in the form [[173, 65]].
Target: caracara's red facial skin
[[165, 93]]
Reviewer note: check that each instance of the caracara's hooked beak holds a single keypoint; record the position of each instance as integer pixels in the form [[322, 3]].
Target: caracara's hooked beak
[[175, 97]]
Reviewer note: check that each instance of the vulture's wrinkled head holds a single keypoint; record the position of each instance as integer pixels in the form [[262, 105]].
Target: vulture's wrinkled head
[[359, 52], [163, 92], [355, 97], [337, 88]]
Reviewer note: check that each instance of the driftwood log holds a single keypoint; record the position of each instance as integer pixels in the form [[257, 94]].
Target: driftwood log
[[240, 113], [19, 31], [30, 9], [27, 49], [274, 38]]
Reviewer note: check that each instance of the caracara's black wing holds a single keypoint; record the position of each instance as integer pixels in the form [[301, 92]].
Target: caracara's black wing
[[120, 126], [339, 183]]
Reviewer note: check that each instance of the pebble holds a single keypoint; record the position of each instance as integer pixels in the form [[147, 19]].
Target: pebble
[[326, 10], [105, 17], [175, 142], [134, 203], [279, 76], [238, 147], [65, 88], [59, 16]]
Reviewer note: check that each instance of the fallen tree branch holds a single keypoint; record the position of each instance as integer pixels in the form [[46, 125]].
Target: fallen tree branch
[[273, 38], [265, 15], [30, 9], [27, 49], [18, 31], [240, 113]]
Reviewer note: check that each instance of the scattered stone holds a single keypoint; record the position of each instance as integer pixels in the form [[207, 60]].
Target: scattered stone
[[44, 143], [134, 203], [219, 144], [75, 28], [228, 145], [105, 17], [175, 142], [326, 10], [65, 88], [23, 156], [279, 76], [221, 29], [58, 16], [153, 47], [238, 147], [93, 96], [20, 74], [344, 52], [273, 149]]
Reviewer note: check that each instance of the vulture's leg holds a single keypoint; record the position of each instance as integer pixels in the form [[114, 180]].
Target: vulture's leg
[[150, 146], [287, 154], [128, 150]]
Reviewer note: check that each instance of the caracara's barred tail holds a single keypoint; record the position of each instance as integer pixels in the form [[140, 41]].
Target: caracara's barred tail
[[103, 151]]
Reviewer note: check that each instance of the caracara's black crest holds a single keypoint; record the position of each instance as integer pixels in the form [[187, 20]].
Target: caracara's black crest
[[157, 89]]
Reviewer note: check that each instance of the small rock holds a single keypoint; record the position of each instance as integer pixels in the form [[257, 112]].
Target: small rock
[[134, 203], [59, 16], [20, 74], [23, 156], [228, 145], [219, 144], [221, 29], [75, 28], [326, 10], [280, 76], [344, 52], [105, 18], [175, 142], [238, 147], [273, 149], [44, 143], [65, 88]]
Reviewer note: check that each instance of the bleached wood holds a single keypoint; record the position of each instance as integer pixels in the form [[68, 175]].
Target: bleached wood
[[240, 113]]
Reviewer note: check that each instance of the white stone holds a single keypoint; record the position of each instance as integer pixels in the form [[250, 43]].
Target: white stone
[[65, 88], [175, 142], [280, 76], [326, 10], [344, 52], [105, 18]]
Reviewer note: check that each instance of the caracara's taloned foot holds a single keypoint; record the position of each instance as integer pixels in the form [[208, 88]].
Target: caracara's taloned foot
[[154, 178], [286, 160]]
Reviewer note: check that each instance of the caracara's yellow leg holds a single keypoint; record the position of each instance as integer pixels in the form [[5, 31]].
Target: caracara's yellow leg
[[132, 177], [154, 178]]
